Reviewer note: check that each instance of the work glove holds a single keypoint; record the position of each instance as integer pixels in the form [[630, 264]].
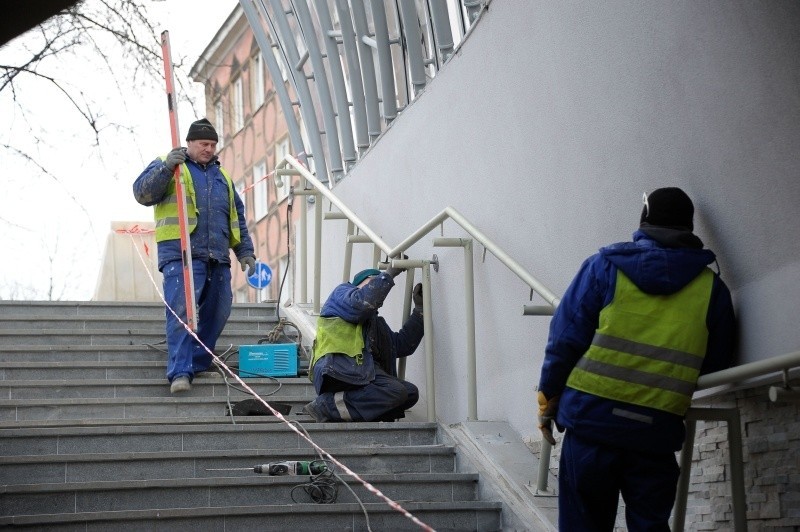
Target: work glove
[[548, 408], [248, 264], [174, 158], [394, 272], [416, 296]]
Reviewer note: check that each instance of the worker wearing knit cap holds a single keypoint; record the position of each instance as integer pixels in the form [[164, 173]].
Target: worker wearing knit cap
[[216, 223], [640, 322], [354, 362]]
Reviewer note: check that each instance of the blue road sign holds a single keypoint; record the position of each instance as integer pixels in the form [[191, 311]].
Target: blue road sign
[[261, 277]]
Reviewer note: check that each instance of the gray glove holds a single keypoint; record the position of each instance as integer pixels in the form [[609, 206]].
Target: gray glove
[[416, 296], [174, 158], [249, 264], [394, 272]]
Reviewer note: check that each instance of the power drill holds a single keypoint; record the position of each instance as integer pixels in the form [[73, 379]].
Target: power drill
[[292, 468]]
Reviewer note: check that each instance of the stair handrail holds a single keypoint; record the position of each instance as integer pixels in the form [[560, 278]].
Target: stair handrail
[[291, 166], [413, 238]]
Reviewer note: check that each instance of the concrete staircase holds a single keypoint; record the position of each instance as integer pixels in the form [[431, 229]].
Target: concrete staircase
[[91, 439]]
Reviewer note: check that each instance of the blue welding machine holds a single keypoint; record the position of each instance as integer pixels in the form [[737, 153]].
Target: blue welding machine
[[267, 360]]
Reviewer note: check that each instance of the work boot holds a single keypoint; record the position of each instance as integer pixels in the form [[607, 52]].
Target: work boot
[[180, 384], [313, 410]]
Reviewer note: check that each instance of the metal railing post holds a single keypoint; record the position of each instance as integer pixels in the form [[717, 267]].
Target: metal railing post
[[427, 318], [544, 468], [317, 251], [428, 321], [739, 502], [469, 308], [679, 510], [401, 364]]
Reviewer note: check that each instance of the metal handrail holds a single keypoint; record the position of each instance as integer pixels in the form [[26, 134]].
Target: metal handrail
[[290, 166]]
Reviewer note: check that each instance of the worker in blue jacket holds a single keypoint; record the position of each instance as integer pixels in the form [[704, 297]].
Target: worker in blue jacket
[[216, 224], [354, 364], [638, 325]]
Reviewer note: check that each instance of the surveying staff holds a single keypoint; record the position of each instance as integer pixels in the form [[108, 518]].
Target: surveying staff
[[354, 364], [637, 326], [216, 222]]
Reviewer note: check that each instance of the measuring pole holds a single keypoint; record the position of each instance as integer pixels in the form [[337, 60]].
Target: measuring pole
[[183, 222]]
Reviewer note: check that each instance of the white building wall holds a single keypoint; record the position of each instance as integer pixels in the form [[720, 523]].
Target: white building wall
[[545, 129]]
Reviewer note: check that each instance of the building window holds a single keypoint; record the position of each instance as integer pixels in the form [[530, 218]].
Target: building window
[[219, 121], [241, 295], [259, 190], [257, 80], [238, 105], [281, 151]]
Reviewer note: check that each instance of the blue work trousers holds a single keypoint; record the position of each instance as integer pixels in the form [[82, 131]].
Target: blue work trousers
[[213, 295], [386, 398], [592, 476]]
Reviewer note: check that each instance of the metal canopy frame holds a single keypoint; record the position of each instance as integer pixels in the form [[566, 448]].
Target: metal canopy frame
[[347, 82]]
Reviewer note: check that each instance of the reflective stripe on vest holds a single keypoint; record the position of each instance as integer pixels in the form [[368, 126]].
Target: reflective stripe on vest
[[335, 335], [648, 349], [166, 211]]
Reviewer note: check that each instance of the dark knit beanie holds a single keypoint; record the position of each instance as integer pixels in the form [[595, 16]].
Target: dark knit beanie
[[202, 130], [363, 274], [668, 207]]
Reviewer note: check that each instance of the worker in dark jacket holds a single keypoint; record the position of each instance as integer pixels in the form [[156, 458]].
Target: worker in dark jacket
[[639, 324], [216, 224], [354, 366]]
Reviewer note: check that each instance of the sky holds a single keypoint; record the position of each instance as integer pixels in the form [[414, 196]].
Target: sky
[[53, 228]]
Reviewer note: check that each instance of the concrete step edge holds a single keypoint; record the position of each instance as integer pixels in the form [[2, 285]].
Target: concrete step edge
[[192, 425], [162, 515], [257, 455], [218, 482]]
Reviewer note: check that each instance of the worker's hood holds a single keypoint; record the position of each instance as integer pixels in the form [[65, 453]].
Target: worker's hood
[[660, 260]]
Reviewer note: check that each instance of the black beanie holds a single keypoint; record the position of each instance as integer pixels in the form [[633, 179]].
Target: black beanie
[[668, 207], [202, 130]]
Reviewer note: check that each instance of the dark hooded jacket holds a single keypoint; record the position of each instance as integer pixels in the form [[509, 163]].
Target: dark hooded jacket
[[382, 345], [658, 261]]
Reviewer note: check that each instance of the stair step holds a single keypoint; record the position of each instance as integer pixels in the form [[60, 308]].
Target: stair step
[[96, 467], [32, 499], [89, 353], [473, 515], [36, 309], [138, 337], [185, 405], [23, 390], [118, 437], [123, 323]]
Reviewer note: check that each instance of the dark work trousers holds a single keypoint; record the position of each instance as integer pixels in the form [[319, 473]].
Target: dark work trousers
[[386, 398], [212, 289], [592, 476]]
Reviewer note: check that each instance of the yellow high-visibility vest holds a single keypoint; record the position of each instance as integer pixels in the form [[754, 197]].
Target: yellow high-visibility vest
[[648, 349], [166, 211], [337, 336]]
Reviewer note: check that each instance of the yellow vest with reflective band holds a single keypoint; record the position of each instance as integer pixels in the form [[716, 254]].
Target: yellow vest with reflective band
[[648, 349], [335, 335], [166, 211]]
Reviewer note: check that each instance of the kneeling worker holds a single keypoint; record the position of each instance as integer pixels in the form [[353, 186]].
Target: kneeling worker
[[354, 364]]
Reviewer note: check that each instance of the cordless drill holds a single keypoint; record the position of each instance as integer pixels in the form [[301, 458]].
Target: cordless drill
[[291, 468]]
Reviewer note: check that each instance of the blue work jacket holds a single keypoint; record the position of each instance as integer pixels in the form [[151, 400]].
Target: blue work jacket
[[382, 346], [655, 268], [210, 239]]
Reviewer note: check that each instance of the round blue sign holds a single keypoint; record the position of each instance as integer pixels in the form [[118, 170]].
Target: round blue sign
[[261, 277]]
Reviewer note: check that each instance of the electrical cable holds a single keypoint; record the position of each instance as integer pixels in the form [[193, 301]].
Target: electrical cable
[[289, 207], [324, 482]]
